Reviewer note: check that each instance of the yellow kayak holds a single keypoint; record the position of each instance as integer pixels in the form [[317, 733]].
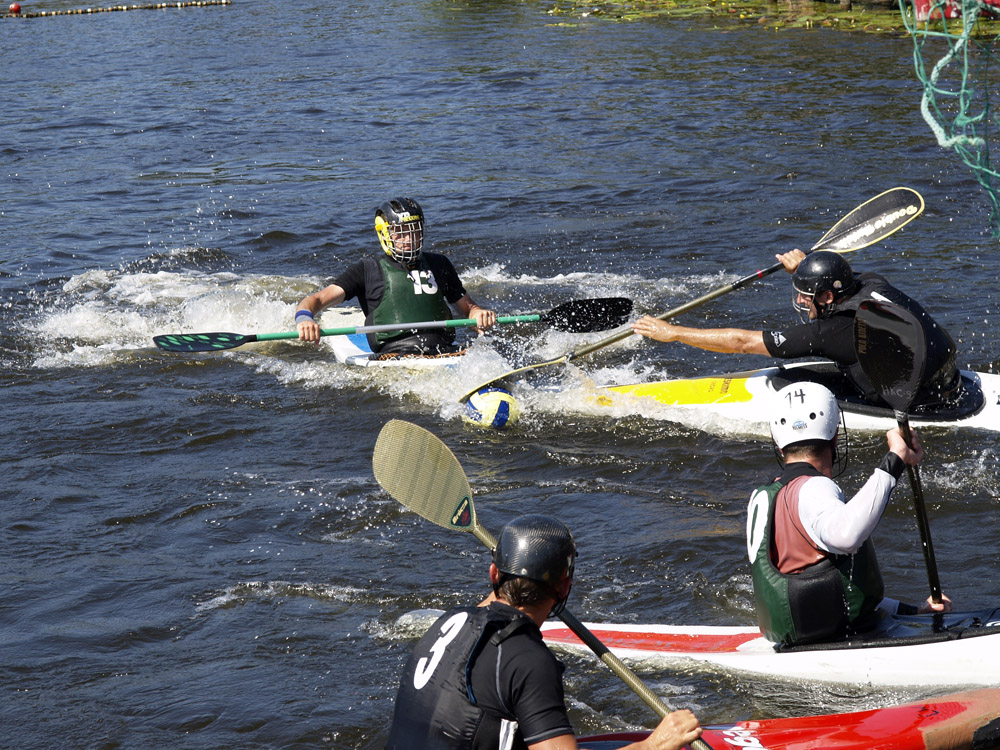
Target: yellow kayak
[[745, 397]]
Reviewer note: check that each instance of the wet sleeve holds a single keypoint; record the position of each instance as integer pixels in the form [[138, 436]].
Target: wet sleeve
[[352, 281], [832, 338], [447, 278], [798, 341], [535, 691]]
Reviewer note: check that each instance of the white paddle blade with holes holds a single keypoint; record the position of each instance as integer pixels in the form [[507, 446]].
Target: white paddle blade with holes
[[873, 220]]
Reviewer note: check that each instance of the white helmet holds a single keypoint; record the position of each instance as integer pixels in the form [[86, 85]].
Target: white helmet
[[804, 411]]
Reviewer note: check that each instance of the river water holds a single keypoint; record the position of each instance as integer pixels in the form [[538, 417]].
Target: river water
[[196, 553]]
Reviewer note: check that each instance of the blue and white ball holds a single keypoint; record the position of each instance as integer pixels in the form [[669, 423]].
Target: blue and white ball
[[492, 407]]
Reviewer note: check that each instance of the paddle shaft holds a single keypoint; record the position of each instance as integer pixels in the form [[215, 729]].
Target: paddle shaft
[[419, 471], [872, 221], [921, 512], [600, 650], [457, 323], [679, 310]]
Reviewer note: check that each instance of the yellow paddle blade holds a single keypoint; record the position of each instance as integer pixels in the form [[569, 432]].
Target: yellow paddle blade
[[420, 472]]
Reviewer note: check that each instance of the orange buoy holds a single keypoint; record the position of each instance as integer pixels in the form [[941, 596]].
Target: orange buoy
[[15, 9]]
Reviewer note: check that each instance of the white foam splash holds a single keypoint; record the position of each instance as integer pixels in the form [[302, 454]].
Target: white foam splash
[[107, 316], [248, 591]]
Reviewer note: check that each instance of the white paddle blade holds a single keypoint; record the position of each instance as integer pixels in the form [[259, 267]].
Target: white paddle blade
[[873, 220], [420, 472]]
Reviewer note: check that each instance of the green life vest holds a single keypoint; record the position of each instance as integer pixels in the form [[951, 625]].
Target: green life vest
[[411, 296], [830, 600]]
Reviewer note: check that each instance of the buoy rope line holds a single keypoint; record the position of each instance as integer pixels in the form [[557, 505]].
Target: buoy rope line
[[112, 8]]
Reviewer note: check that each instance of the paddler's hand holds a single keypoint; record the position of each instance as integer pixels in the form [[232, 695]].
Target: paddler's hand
[[791, 259], [654, 328], [897, 444], [931, 607], [676, 730], [484, 318], [308, 330]]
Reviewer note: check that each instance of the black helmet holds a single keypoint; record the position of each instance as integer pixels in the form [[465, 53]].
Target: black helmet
[[823, 271], [399, 224], [539, 548]]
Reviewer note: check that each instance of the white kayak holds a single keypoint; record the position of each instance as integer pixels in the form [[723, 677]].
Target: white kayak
[[354, 350], [742, 400], [954, 650]]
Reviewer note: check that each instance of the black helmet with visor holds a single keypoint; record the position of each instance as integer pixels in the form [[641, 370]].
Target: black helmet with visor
[[822, 271]]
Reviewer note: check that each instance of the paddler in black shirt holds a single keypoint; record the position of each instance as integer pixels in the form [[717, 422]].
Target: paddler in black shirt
[[482, 678], [407, 285], [827, 296]]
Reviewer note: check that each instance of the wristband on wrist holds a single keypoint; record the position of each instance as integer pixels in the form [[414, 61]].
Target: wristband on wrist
[[303, 315], [892, 464]]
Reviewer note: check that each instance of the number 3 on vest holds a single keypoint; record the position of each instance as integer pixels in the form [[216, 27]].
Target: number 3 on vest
[[425, 667]]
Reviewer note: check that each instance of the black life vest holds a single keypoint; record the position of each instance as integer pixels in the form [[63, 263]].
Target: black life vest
[[942, 380], [435, 708]]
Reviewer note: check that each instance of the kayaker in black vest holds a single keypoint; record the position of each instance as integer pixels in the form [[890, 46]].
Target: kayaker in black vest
[[407, 285], [482, 678], [815, 574], [828, 293]]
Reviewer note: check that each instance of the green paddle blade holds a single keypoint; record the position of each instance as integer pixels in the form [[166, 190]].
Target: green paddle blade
[[201, 342]]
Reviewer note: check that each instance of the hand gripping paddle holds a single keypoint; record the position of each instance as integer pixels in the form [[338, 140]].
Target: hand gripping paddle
[[417, 469], [892, 350], [871, 222], [575, 316]]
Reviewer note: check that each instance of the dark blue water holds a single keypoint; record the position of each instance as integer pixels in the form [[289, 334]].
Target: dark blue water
[[196, 553]]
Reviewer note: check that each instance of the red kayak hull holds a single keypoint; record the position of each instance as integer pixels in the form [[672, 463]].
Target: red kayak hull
[[961, 721]]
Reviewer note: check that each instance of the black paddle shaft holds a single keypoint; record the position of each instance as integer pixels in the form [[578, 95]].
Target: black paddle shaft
[[892, 350]]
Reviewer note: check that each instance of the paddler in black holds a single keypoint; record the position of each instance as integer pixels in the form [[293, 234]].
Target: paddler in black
[[827, 296], [482, 678], [406, 285], [815, 575]]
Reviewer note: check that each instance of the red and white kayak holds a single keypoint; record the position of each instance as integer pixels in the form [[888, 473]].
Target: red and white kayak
[[962, 721], [960, 649]]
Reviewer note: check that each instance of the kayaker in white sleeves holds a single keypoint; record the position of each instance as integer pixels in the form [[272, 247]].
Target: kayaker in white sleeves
[[841, 526], [816, 577]]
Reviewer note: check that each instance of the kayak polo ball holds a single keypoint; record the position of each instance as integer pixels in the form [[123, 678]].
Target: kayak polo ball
[[492, 407]]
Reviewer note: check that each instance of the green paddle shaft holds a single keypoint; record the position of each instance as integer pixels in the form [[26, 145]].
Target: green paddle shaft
[[458, 323], [575, 316]]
